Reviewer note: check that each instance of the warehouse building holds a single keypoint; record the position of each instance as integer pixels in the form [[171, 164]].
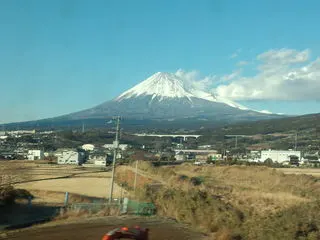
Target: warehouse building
[[279, 156]]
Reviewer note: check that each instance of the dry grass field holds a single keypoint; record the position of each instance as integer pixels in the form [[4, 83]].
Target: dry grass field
[[225, 202], [238, 202], [309, 171], [48, 183], [93, 187]]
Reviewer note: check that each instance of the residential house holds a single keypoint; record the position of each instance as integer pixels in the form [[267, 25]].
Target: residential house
[[35, 155], [69, 157]]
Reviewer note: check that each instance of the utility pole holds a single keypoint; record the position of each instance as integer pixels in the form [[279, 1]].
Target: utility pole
[[135, 177], [82, 127], [295, 141], [236, 138], [115, 152], [236, 142]]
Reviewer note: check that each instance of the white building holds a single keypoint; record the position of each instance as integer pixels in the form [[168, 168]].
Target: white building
[[122, 147], [205, 147], [3, 137], [35, 155], [254, 156], [100, 161], [196, 151], [88, 147], [69, 157], [19, 132], [180, 156], [279, 155]]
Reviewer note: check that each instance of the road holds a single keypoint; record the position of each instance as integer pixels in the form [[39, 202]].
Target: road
[[159, 230]]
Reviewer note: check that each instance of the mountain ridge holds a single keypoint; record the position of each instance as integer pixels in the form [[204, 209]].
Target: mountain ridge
[[170, 85], [163, 98]]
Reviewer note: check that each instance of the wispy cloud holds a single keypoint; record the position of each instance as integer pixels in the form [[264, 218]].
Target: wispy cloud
[[242, 63], [194, 79], [283, 74], [231, 76], [235, 54]]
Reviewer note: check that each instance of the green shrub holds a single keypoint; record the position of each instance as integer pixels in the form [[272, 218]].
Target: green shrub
[[183, 177], [8, 194], [196, 181]]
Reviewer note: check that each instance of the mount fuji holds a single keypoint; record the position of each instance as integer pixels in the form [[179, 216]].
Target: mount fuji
[[167, 96], [164, 86], [162, 100]]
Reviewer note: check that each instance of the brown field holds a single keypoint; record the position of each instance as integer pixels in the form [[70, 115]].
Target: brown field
[[309, 171], [238, 202], [225, 202], [42, 179], [93, 187]]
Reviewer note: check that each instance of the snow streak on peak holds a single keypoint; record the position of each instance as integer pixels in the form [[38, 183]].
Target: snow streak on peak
[[168, 85], [158, 85]]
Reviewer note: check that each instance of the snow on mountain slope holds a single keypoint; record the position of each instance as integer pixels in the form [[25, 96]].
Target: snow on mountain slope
[[169, 85], [266, 112], [213, 98], [158, 85]]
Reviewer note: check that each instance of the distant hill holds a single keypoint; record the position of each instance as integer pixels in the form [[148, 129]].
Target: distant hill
[[299, 123], [275, 133]]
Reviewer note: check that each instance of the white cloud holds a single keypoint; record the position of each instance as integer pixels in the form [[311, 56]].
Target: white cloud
[[236, 53], [194, 79], [285, 74], [231, 76], [284, 56], [242, 63]]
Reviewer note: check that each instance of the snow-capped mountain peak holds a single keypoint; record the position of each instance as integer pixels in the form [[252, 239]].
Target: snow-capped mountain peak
[[168, 85], [160, 85]]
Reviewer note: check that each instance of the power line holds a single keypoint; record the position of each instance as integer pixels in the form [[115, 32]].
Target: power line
[[236, 138]]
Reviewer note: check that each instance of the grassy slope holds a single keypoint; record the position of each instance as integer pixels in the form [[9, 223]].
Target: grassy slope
[[239, 202]]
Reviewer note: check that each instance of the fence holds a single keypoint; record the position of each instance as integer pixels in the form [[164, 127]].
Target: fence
[[124, 205], [140, 208]]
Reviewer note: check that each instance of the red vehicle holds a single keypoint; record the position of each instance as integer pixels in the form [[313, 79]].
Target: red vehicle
[[136, 233]]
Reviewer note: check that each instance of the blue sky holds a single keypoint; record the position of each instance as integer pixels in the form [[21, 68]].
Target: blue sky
[[61, 56]]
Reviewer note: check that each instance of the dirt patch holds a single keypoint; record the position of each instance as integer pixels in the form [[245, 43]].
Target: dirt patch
[[23, 171]]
